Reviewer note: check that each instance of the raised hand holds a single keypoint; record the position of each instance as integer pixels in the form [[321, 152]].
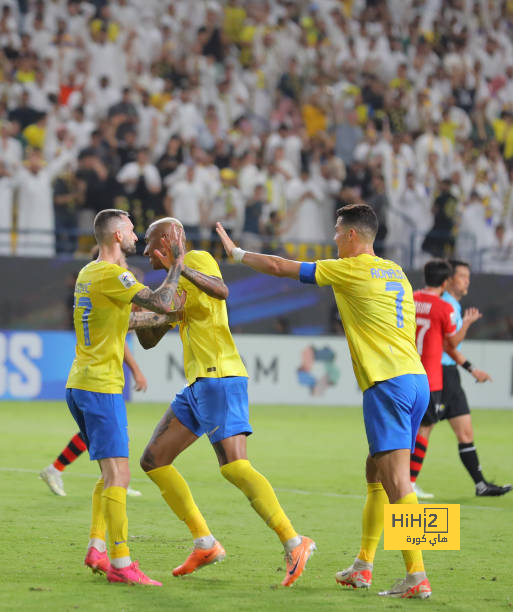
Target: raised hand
[[471, 315], [172, 247], [228, 243]]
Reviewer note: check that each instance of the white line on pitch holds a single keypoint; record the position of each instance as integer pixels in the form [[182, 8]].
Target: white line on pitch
[[296, 491]]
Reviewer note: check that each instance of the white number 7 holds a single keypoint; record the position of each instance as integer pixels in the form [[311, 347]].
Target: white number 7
[[422, 325]]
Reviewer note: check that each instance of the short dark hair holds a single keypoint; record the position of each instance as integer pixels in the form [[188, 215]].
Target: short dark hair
[[455, 263], [102, 222], [436, 272], [360, 216]]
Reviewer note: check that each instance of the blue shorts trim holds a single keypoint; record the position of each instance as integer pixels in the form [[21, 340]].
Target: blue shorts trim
[[101, 418], [393, 410], [215, 406]]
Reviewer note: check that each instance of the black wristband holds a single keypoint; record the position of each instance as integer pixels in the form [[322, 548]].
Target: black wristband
[[467, 366]]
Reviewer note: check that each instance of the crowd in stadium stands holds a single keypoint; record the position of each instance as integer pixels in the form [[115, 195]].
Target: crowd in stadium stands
[[266, 115]]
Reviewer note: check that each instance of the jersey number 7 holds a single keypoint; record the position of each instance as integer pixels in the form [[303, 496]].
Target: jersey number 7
[[396, 286], [422, 326], [85, 303]]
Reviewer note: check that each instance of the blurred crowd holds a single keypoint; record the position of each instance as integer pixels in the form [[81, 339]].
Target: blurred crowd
[[266, 115]]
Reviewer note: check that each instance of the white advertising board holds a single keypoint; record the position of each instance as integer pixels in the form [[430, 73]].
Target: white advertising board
[[314, 370]]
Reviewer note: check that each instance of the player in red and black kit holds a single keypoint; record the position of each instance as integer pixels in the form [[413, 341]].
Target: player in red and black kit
[[454, 407], [436, 324]]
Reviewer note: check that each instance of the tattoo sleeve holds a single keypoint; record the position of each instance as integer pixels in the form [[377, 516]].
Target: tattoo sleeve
[[211, 285], [161, 299], [140, 320]]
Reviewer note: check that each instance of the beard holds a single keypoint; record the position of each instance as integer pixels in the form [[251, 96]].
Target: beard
[[156, 264], [128, 247]]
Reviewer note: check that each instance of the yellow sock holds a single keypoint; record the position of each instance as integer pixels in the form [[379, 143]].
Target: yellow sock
[[412, 558], [261, 495], [98, 518], [178, 497], [372, 520], [114, 510]]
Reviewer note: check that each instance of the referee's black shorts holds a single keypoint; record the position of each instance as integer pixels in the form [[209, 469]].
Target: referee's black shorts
[[454, 399]]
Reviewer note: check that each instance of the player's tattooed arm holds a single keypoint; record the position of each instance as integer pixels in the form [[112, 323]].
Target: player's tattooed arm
[[211, 285], [160, 300], [140, 320], [150, 336]]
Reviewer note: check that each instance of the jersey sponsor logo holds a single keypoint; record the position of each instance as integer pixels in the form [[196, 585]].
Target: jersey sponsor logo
[[454, 318], [127, 279]]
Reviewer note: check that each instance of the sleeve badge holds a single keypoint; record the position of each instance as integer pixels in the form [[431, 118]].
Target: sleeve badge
[[127, 279]]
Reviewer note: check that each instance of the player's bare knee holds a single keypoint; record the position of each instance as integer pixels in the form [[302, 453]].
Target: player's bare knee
[[371, 470], [147, 460], [462, 427], [465, 437], [117, 478]]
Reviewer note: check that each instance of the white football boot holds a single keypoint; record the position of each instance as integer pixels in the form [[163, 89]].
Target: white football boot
[[53, 479]]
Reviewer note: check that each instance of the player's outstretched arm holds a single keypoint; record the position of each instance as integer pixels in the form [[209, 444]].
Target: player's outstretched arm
[[266, 264], [211, 285], [171, 255]]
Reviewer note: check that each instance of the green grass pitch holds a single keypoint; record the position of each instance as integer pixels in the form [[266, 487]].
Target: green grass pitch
[[313, 456]]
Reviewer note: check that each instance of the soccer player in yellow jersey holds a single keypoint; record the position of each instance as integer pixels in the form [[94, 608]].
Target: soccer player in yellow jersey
[[375, 302], [215, 402], [52, 474], [104, 291]]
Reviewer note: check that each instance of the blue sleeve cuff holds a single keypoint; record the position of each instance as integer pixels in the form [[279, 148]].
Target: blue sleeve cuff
[[307, 272]]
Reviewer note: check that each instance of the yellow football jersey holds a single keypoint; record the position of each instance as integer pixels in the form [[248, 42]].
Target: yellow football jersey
[[208, 347], [103, 295], [375, 301]]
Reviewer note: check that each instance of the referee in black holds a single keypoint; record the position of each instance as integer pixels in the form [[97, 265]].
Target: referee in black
[[454, 400]]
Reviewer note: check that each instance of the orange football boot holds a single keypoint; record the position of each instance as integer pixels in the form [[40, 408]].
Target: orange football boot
[[200, 557], [296, 560]]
